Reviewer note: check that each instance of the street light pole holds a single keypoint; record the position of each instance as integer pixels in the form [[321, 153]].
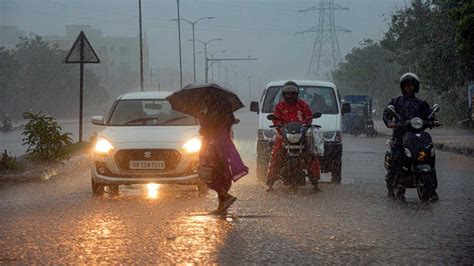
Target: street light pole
[[179, 41], [212, 65], [205, 43], [141, 44], [193, 24]]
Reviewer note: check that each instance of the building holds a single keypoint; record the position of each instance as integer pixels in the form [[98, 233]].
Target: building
[[118, 55]]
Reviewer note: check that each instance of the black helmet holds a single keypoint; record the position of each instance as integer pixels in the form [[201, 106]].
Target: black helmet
[[410, 78], [290, 86]]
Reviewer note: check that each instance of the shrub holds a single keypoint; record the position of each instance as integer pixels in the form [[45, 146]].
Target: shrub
[[8, 163], [44, 138]]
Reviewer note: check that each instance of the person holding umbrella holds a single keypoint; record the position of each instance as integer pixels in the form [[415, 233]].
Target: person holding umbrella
[[219, 160]]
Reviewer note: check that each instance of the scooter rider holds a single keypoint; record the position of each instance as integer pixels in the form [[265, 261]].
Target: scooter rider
[[6, 122], [408, 107], [291, 109]]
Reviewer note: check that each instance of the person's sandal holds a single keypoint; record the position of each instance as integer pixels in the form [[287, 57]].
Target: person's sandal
[[226, 204]]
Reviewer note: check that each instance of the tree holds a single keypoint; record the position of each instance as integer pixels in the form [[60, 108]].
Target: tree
[[463, 16], [422, 38], [369, 70], [37, 79]]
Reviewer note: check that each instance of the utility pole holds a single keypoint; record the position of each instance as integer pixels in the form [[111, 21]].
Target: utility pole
[[206, 68], [193, 24], [141, 42], [326, 51]]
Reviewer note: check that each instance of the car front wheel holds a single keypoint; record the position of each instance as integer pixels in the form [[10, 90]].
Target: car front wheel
[[97, 188]]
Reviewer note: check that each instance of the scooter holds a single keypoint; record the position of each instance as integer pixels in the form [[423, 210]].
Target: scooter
[[6, 125], [418, 158], [295, 141]]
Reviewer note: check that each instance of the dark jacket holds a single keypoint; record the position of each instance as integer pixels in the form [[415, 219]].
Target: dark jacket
[[408, 108]]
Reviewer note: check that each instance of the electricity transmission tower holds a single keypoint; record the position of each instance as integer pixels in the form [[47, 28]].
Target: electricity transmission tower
[[326, 53]]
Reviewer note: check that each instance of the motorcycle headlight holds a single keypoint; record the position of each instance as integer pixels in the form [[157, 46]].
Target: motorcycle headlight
[[193, 145], [103, 146], [416, 123], [408, 153], [294, 138]]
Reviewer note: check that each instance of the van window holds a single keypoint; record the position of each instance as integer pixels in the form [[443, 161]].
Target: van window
[[320, 99]]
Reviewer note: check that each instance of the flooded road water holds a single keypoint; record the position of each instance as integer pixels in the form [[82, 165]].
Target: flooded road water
[[59, 222]]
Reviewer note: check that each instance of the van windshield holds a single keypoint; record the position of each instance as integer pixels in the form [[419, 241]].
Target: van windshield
[[320, 99]]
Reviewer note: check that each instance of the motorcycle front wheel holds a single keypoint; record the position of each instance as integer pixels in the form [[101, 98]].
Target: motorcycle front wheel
[[424, 187]]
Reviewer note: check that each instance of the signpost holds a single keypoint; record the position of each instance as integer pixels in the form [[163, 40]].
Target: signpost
[[470, 93], [81, 53]]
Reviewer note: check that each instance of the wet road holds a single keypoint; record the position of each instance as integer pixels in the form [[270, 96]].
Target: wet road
[[58, 222]]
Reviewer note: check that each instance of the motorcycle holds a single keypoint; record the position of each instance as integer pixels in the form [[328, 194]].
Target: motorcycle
[[417, 169], [296, 139], [6, 125]]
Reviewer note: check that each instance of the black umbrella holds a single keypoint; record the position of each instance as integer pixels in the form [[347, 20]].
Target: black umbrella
[[192, 98]]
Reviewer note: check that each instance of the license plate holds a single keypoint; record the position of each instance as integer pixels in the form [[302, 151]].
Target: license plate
[[147, 165]]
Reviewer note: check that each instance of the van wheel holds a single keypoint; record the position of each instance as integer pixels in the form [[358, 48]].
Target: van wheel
[[262, 169], [97, 188], [336, 172]]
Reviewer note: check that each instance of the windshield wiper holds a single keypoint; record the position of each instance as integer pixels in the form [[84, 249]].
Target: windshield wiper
[[142, 119], [172, 120]]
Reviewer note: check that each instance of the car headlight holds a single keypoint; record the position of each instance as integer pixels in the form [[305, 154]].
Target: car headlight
[[193, 145], [432, 151], [103, 146], [416, 123], [294, 138]]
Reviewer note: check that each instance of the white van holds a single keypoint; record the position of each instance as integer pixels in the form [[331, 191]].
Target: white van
[[322, 97]]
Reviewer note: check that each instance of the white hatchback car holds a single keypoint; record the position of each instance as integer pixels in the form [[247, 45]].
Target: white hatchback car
[[145, 141]]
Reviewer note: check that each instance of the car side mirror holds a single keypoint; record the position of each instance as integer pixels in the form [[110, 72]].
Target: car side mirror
[[346, 108], [254, 107], [436, 108], [317, 115], [270, 117], [98, 120]]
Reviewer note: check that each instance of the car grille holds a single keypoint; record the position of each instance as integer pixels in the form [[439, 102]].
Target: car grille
[[170, 157]]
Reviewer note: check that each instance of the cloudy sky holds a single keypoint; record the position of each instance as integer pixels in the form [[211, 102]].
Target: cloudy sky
[[264, 29]]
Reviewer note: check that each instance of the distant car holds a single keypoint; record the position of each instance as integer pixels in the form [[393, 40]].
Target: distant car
[[145, 141]]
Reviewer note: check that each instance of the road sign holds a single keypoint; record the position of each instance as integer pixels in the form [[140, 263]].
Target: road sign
[[81, 53]]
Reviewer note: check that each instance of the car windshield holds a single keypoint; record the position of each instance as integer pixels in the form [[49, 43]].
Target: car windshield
[[320, 99], [148, 113]]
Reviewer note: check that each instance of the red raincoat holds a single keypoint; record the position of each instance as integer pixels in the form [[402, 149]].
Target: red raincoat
[[285, 113]]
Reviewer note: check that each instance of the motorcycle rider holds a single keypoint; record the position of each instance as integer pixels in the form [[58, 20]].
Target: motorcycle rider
[[291, 109], [408, 107], [6, 122]]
